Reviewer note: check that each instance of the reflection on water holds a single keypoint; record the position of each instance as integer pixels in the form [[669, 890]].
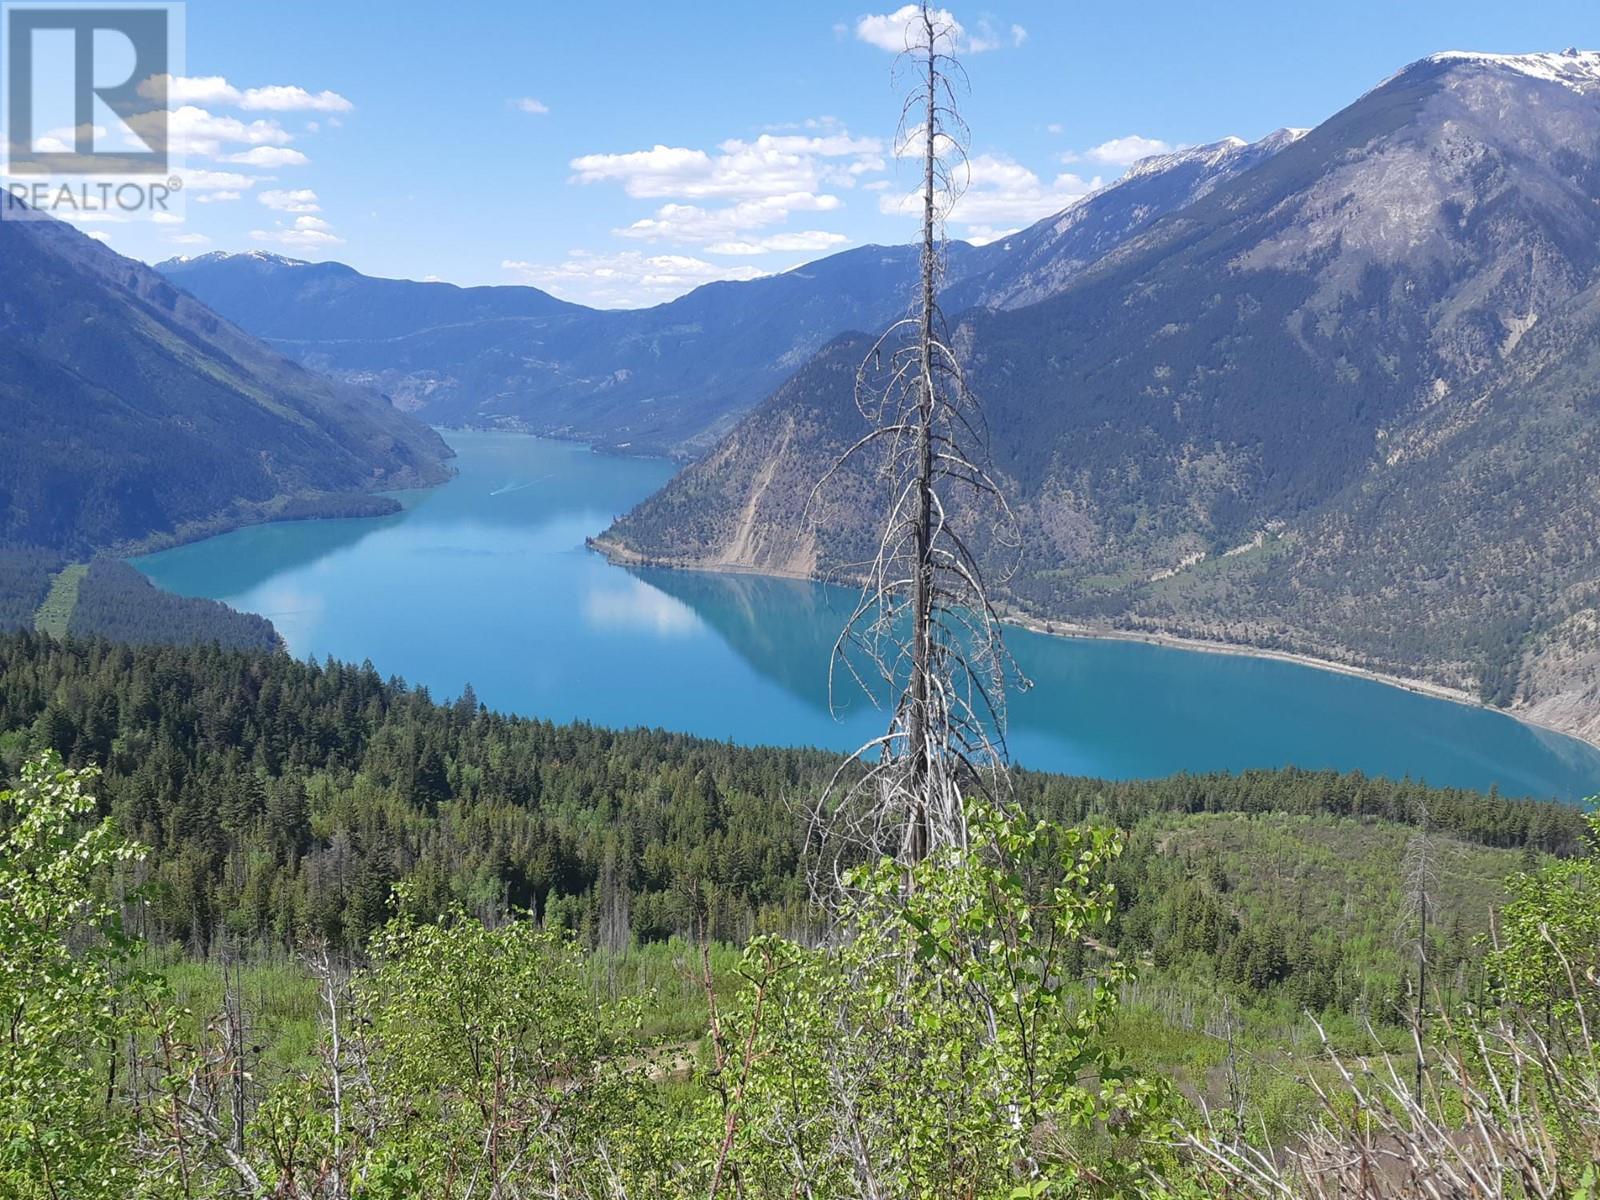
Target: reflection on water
[[486, 580], [634, 604], [784, 628]]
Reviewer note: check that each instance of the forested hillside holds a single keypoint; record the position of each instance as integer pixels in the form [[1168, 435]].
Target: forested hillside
[[1337, 405], [108, 598], [136, 416], [425, 1029], [283, 801]]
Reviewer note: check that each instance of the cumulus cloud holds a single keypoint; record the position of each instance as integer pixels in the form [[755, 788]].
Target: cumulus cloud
[[529, 105], [903, 29], [1121, 152], [195, 131], [306, 232], [1001, 194], [624, 279], [217, 91], [692, 223], [771, 165], [297, 200]]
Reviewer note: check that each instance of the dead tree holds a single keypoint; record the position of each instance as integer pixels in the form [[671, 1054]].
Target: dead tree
[[1420, 880], [925, 629]]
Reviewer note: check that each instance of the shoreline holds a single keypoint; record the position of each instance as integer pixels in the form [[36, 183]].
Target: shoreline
[[625, 556]]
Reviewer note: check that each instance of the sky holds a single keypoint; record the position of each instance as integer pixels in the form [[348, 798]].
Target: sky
[[620, 154]]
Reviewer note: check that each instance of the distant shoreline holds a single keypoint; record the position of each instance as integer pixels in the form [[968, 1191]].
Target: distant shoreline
[[626, 556]]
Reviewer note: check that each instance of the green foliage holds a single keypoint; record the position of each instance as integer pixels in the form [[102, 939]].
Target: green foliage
[[25, 577], [966, 1030], [282, 800], [65, 989], [950, 1041], [1547, 954], [116, 602], [488, 1048], [1300, 912]]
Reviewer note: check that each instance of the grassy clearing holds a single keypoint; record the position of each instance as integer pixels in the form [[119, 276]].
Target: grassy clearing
[[55, 614]]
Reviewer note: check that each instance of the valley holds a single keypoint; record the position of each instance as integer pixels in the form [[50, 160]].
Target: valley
[[1055, 656]]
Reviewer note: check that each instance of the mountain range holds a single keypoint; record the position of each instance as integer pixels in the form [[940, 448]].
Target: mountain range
[[1340, 402], [670, 379]]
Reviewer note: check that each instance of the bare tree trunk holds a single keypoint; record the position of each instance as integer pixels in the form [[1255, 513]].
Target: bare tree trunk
[[1419, 871], [918, 834], [925, 621]]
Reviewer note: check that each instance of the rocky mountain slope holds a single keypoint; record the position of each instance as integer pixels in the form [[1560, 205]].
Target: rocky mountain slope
[[135, 415], [1338, 404], [672, 378]]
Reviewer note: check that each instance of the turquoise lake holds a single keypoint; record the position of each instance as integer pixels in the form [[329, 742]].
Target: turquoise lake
[[487, 580]]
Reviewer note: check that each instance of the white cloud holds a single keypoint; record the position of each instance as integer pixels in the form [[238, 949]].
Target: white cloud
[[809, 241], [1055, 127], [305, 232], [731, 200], [1000, 193], [216, 197], [215, 90], [99, 235], [903, 29], [982, 235], [1121, 152], [268, 156], [298, 200], [294, 99], [188, 239], [195, 131], [691, 223], [531, 106], [624, 279], [771, 165]]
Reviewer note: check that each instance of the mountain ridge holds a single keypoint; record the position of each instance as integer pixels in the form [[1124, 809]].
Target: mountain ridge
[[181, 423], [674, 377], [1241, 424]]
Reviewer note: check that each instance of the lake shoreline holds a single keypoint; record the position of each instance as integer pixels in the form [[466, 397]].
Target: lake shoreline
[[625, 556], [551, 637]]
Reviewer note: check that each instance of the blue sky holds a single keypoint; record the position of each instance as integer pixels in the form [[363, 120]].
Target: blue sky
[[622, 153]]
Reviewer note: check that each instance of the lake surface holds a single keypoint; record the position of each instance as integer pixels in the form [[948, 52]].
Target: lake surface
[[486, 580]]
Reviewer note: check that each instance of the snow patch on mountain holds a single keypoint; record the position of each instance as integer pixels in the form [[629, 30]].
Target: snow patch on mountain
[[1576, 69]]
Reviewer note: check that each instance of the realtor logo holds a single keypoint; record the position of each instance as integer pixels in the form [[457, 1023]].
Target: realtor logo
[[84, 90]]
